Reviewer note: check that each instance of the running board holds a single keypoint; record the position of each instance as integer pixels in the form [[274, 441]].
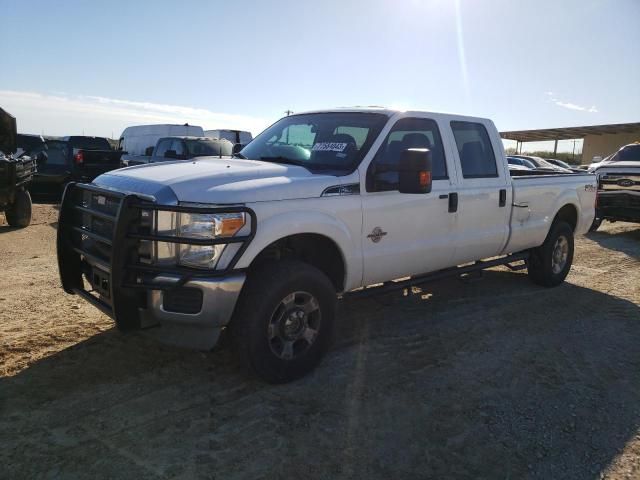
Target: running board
[[441, 274]]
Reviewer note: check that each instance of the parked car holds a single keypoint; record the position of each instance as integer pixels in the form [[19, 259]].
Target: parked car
[[561, 164], [619, 187], [518, 169], [237, 137], [319, 204], [520, 162], [15, 175], [541, 164], [140, 140]]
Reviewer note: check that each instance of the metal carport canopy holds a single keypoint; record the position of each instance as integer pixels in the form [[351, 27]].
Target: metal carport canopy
[[568, 133]]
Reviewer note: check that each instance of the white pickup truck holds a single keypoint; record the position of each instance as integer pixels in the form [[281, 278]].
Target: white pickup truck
[[319, 205], [619, 186]]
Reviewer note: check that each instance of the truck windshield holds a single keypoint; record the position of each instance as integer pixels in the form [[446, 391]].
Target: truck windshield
[[630, 153], [204, 148], [318, 141]]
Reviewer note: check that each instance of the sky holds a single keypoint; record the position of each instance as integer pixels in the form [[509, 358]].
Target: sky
[[73, 67]]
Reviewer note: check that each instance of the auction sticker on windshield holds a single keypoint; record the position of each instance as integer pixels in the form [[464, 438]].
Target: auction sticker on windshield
[[329, 147]]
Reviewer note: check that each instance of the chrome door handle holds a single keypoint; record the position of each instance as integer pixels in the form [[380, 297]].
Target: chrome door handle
[[521, 205]]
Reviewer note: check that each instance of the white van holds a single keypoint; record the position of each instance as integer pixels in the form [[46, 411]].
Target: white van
[[234, 136], [139, 140]]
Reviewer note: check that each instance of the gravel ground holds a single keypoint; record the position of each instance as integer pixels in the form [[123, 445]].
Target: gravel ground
[[495, 378]]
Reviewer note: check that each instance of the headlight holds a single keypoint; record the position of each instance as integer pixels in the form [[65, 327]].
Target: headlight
[[204, 225], [196, 226]]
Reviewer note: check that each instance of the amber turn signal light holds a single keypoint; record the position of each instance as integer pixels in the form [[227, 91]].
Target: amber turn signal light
[[425, 178]]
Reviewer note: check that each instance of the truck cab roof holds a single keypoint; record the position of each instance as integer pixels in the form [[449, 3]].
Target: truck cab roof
[[390, 112]]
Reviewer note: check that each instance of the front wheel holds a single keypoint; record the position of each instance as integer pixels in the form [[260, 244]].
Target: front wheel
[[284, 320], [549, 264], [19, 214]]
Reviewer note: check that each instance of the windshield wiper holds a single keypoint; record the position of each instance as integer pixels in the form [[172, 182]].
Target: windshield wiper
[[239, 155]]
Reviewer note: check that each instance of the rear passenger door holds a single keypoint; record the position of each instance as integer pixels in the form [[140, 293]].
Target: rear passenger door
[[484, 191]]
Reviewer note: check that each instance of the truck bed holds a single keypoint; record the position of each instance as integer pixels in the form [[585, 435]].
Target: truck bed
[[536, 199]]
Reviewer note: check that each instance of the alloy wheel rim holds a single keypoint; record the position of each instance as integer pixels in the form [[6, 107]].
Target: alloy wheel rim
[[294, 325]]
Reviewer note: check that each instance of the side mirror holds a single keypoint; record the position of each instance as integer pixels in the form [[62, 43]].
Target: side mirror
[[170, 154], [237, 147], [596, 159], [148, 151], [414, 171], [41, 158]]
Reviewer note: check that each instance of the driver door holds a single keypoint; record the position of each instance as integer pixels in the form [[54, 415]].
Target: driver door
[[407, 234]]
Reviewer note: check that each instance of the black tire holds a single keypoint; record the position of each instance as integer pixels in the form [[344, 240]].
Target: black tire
[[19, 214], [549, 264], [595, 225], [262, 328]]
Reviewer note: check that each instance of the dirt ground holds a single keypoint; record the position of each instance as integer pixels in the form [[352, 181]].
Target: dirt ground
[[495, 378]]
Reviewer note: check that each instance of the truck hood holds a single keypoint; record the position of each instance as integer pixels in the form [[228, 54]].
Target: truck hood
[[617, 166], [220, 180]]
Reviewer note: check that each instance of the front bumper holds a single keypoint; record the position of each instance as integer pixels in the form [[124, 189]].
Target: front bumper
[[619, 205], [100, 233], [190, 328]]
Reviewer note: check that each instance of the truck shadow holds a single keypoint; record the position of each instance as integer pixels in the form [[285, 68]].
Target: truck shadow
[[491, 379], [7, 228], [623, 241]]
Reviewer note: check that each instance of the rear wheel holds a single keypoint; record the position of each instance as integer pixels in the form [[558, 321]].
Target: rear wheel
[[284, 320], [549, 264], [19, 214]]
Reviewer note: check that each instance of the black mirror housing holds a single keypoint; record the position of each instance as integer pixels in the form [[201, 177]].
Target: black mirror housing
[[414, 171], [237, 147]]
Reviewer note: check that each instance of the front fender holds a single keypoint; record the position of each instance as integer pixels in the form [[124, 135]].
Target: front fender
[[279, 226]]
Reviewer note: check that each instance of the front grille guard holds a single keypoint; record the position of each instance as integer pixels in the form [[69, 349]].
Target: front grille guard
[[116, 255]]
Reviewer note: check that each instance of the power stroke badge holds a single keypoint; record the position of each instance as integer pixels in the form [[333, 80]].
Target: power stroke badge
[[376, 235]]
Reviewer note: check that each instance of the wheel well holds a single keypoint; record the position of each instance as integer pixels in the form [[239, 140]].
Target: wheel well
[[568, 214], [312, 248]]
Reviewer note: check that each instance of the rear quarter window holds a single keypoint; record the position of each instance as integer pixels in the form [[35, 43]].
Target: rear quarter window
[[477, 157]]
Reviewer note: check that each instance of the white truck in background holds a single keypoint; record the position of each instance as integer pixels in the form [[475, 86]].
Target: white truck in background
[[138, 141], [237, 137], [320, 204], [618, 186]]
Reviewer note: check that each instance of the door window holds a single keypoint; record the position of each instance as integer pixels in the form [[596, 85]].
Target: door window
[[477, 158], [406, 133]]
